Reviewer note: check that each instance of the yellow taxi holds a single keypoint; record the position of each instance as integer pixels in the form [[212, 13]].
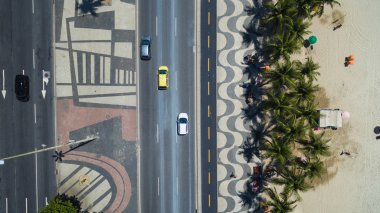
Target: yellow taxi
[[163, 77]]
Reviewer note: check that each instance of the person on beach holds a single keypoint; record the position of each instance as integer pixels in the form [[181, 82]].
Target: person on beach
[[345, 153], [337, 27]]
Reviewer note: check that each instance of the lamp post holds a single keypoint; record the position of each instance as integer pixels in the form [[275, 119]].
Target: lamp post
[[89, 138]]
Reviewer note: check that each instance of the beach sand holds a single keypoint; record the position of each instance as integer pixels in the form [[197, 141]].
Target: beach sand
[[353, 184]]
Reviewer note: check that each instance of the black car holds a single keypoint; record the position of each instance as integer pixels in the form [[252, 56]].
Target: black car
[[22, 87]]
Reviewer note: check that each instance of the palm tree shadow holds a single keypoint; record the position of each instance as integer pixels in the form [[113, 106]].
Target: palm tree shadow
[[88, 6]]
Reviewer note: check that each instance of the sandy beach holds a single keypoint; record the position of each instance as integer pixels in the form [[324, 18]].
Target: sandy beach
[[353, 183]]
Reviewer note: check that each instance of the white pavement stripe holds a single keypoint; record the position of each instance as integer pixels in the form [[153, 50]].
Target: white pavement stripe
[[156, 26], [157, 133], [92, 69], [26, 205], [121, 76], [6, 205], [107, 70], [84, 68], [76, 68], [175, 26], [33, 6], [34, 61], [177, 184], [35, 113], [101, 69], [35, 161], [116, 76], [46, 202], [158, 186]]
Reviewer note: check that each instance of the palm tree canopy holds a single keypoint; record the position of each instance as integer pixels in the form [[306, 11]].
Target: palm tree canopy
[[280, 15], [282, 46], [308, 69], [280, 203], [315, 146]]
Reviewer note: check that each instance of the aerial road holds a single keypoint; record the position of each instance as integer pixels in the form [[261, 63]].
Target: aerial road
[[167, 175], [27, 124]]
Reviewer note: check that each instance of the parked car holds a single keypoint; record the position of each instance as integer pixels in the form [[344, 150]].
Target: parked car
[[183, 124], [145, 48], [163, 77], [22, 87]]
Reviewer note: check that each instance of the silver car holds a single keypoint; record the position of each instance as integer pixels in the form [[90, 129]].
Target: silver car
[[145, 48]]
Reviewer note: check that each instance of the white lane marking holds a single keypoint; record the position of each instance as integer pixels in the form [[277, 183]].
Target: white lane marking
[[33, 6], [35, 113], [156, 26], [157, 133], [34, 61], [23, 72], [175, 26], [26, 205], [158, 186], [46, 202], [6, 205], [177, 184], [35, 161]]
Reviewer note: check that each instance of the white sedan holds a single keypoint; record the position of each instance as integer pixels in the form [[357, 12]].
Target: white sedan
[[183, 124]]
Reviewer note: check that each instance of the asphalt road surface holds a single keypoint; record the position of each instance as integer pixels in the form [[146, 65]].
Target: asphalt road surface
[[25, 44], [167, 175]]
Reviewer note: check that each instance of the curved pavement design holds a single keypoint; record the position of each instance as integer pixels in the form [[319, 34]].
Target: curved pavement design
[[231, 129]]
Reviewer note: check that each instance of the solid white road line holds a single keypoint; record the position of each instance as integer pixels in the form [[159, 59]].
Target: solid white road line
[[35, 161], [35, 113], [34, 61], [156, 26], [33, 6], [175, 26], [26, 205], [158, 186], [157, 134], [6, 205]]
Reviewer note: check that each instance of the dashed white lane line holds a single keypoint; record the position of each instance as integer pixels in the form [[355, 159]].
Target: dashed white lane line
[[177, 185], [33, 6], [158, 186], [157, 133], [6, 205], [46, 202], [26, 205], [34, 61], [35, 113], [156, 26], [175, 26], [35, 161]]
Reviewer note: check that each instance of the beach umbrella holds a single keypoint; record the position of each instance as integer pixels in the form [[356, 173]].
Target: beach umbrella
[[312, 39], [345, 115]]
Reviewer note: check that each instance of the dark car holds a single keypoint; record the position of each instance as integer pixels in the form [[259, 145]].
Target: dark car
[[22, 87], [145, 48]]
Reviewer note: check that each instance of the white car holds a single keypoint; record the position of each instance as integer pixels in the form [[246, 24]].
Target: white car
[[183, 124]]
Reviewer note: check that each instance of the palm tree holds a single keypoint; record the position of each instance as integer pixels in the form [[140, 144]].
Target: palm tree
[[281, 15], [315, 145], [283, 75], [279, 104], [89, 6], [277, 150], [313, 168], [292, 129], [282, 46], [293, 180], [248, 149], [309, 69], [319, 6], [247, 197], [279, 203], [300, 28], [310, 113], [304, 92], [304, 8]]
